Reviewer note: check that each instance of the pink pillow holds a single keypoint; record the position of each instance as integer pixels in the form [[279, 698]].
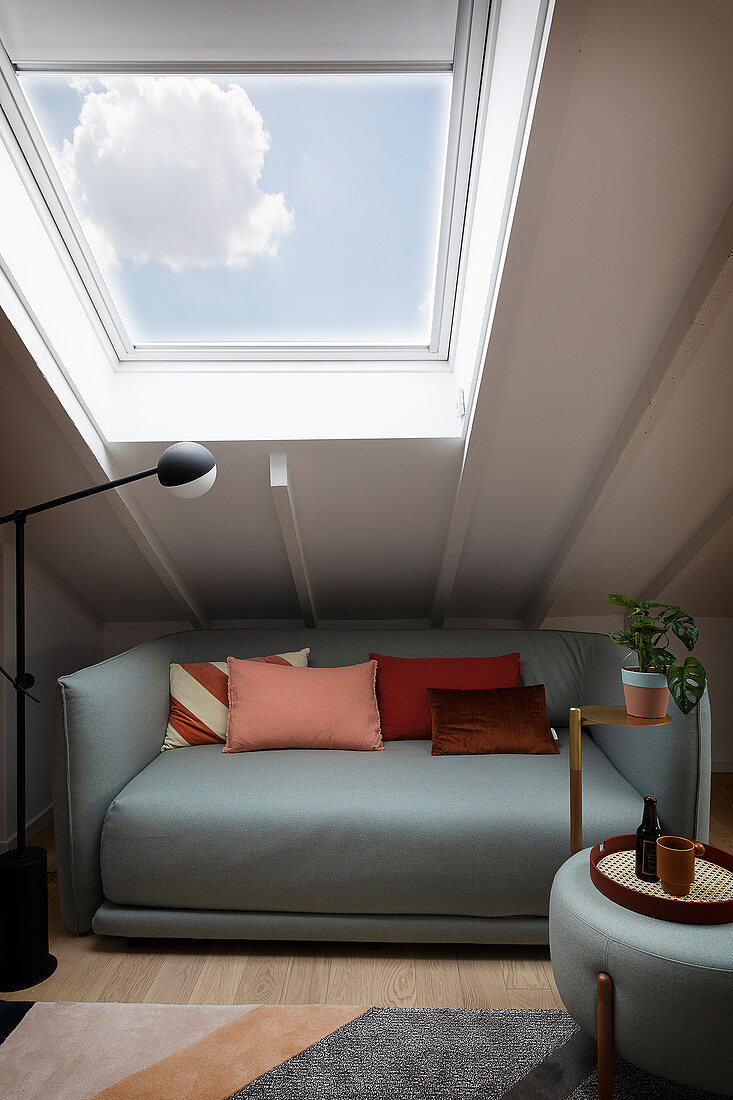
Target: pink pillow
[[274, 707]]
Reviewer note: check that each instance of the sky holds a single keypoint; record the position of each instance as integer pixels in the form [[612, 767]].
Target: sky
[[290, 208]]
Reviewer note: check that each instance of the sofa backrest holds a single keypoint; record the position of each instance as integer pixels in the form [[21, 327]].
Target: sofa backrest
[[554, 658]]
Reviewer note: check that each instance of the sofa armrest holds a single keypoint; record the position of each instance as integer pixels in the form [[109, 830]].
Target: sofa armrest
[[671, 762], [110, 724]]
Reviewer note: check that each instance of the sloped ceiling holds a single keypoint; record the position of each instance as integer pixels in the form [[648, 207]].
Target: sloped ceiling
[[709, 589], [683, 474], [84, 544], [372, 516], [641, 179]]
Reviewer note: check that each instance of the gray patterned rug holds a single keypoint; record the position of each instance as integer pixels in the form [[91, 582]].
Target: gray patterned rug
[[452, 1054]]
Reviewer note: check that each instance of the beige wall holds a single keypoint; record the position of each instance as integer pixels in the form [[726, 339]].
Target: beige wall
[[61, 636]]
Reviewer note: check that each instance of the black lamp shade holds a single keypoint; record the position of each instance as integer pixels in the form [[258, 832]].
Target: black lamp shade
[[187, 469]]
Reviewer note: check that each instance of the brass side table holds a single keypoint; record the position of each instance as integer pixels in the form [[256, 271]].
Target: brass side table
[[593, 716]]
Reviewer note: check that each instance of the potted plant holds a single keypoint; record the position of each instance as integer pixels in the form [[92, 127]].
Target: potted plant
[[647, 687]]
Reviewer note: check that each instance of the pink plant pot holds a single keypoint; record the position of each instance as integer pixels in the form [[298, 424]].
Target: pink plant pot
[[646, 693]]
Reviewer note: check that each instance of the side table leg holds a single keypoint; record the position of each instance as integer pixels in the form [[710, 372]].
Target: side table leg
[[605, 1036], [576, 783]]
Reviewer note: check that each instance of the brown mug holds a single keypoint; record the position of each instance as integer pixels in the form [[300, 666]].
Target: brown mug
[[676, 864]]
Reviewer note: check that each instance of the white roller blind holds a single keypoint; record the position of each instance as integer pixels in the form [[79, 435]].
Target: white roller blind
[[219, 31]]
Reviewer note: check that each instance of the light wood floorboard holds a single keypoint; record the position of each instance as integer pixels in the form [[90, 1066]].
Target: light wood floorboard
[[106, 968]]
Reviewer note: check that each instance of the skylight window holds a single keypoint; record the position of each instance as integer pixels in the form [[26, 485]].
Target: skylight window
[[278, 209]]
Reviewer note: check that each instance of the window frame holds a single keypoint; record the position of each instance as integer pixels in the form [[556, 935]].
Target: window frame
[[51, 199]]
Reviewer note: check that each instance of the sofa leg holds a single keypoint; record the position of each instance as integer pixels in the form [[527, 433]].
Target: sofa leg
[[604, 993]]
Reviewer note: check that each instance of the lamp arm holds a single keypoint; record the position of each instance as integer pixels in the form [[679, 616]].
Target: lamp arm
[[78, 496]]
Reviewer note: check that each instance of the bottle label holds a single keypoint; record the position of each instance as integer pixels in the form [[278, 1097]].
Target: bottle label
[[649, 857]]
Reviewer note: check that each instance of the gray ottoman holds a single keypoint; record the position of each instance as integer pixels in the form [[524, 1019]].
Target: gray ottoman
[[671, 987]]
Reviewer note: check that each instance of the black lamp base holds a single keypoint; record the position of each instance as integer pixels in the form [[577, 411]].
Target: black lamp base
[[53, 962], [24, 956]]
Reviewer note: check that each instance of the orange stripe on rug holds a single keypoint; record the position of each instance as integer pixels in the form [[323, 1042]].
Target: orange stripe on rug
[[235, 1054]]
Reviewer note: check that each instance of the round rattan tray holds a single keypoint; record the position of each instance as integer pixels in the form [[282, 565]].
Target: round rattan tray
[[710, 900]]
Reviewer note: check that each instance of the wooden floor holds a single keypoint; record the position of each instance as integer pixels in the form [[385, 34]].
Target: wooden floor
[[101, 968]]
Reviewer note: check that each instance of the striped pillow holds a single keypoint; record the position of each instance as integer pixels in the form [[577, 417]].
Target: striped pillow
[[200, 699]]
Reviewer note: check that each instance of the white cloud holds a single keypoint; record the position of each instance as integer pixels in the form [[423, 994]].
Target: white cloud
[[169, 170]]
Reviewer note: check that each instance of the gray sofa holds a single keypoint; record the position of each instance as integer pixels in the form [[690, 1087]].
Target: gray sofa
[[315, 844]]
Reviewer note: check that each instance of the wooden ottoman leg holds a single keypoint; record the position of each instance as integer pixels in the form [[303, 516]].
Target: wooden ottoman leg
[[605, 1036]]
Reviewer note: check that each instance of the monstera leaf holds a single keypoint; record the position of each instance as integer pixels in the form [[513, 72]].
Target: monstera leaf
[[686, 682], [661, 659], [622, 601], [683, 626], [622, 637]]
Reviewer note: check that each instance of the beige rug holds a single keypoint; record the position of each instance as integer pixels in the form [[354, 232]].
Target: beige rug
[[77, 1051]]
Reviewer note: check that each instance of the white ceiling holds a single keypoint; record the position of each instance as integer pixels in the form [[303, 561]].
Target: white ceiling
[[89, 31], [641, 179]]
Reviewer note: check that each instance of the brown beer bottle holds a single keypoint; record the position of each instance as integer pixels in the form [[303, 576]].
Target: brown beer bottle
[[646, 842]]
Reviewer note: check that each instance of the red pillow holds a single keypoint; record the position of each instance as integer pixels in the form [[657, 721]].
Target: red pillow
[[402, 684], [494, 720]]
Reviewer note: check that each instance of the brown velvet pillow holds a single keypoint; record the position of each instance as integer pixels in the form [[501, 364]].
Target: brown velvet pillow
[[490, 720]]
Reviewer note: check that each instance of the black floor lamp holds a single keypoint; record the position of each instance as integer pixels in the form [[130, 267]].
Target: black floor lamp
[[188, 470]]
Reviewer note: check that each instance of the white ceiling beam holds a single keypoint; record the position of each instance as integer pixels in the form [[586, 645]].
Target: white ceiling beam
[[285, 508], [688, 560], [556, 80], [33, 354], [701, 304]]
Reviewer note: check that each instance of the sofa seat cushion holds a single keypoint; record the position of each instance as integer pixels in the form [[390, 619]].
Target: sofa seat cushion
[[329, 831]]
